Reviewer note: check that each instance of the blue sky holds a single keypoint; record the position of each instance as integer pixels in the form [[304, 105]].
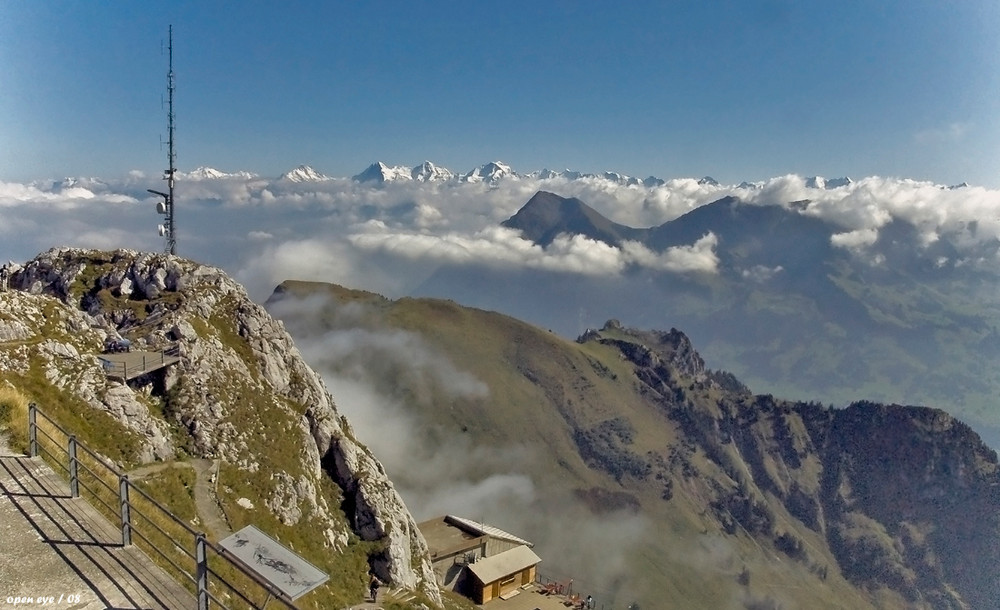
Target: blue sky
[[736, 90]]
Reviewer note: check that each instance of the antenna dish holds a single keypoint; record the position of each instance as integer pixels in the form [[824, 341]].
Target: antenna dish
[[162, 230]]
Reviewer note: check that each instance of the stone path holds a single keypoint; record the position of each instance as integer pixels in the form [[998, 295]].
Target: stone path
[[205, 500], [60, 552]]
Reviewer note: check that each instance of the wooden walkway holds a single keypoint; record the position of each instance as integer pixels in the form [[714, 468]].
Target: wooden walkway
[[60, 552], [129, 365]]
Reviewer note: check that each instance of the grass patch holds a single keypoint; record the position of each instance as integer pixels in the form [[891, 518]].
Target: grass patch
[[97, 429], [14, 417]]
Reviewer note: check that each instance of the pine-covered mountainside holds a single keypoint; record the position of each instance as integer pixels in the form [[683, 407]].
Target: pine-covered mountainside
[[652, 479], [780, 296], [241, 396]]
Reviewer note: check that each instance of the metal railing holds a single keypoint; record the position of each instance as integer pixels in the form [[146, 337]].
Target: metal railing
[[143, 364], [570, 589], [209, 563]]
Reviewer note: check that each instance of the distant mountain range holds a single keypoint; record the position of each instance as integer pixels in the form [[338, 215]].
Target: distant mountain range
[[489, 173], [784, 305]]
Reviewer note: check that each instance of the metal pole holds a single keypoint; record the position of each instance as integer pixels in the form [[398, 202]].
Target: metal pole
[[74, 474], [171, 154], [201, 556], [32, 430], [126, 513]]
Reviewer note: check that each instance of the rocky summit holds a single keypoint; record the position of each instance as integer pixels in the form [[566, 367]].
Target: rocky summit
[[240, 394]]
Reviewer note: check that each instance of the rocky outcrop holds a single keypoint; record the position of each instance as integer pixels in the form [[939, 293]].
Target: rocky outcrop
[[61, 343], [241, 392], [651, 348], [903, 496]]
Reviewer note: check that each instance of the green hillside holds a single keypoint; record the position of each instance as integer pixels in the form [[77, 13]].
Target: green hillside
[[734, 500]]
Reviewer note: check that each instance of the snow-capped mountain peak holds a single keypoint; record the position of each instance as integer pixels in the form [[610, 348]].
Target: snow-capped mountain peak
[[380, 172], [428, 172], [210, 173], [491, 172], [204, 173], [303, 173], [548, 174]]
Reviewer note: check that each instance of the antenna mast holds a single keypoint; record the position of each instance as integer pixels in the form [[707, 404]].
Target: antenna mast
[[166, 206]]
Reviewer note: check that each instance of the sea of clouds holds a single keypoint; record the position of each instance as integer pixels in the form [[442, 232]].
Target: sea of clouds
[[388, 237]]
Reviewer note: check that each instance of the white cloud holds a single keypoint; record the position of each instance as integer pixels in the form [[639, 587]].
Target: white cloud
[[699, 257], [761, 273], [391, 238], [497, 246], [854, 240]]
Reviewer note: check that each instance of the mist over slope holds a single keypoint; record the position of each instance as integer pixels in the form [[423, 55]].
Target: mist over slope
[[645, 475]]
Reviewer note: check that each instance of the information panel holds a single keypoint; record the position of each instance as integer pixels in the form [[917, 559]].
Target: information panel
[[289, 573]]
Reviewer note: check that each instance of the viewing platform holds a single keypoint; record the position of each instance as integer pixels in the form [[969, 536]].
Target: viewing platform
[[129, 365], [61, 552]]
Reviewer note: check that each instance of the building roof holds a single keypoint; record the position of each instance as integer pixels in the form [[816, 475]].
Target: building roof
[[445, 538], [483, 529], [492, 569]]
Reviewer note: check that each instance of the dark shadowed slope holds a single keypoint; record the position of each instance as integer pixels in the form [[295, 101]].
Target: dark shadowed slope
[[547, 215]]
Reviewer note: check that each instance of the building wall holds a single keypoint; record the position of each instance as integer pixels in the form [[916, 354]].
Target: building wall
[[486, 592], [483, 593], [495, 546]]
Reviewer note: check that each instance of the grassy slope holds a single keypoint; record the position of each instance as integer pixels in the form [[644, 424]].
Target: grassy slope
[[541, 388]]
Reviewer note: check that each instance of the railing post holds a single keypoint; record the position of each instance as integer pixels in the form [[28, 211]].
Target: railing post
[[125, 511], [74, 473], [201, 556], [32, 430]]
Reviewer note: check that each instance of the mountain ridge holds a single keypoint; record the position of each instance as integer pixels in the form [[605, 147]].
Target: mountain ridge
[[490, 173], [872, 505], [785, 304]]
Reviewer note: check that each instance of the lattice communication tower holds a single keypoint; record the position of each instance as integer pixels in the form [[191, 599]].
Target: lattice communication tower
[[166, 207]]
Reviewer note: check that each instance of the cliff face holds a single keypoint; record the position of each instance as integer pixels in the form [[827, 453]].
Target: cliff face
[[905, 498], [241, 394]]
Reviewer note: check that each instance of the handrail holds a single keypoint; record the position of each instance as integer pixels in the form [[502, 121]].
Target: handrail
[[202, 569], [97, 478], [152, 361]]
